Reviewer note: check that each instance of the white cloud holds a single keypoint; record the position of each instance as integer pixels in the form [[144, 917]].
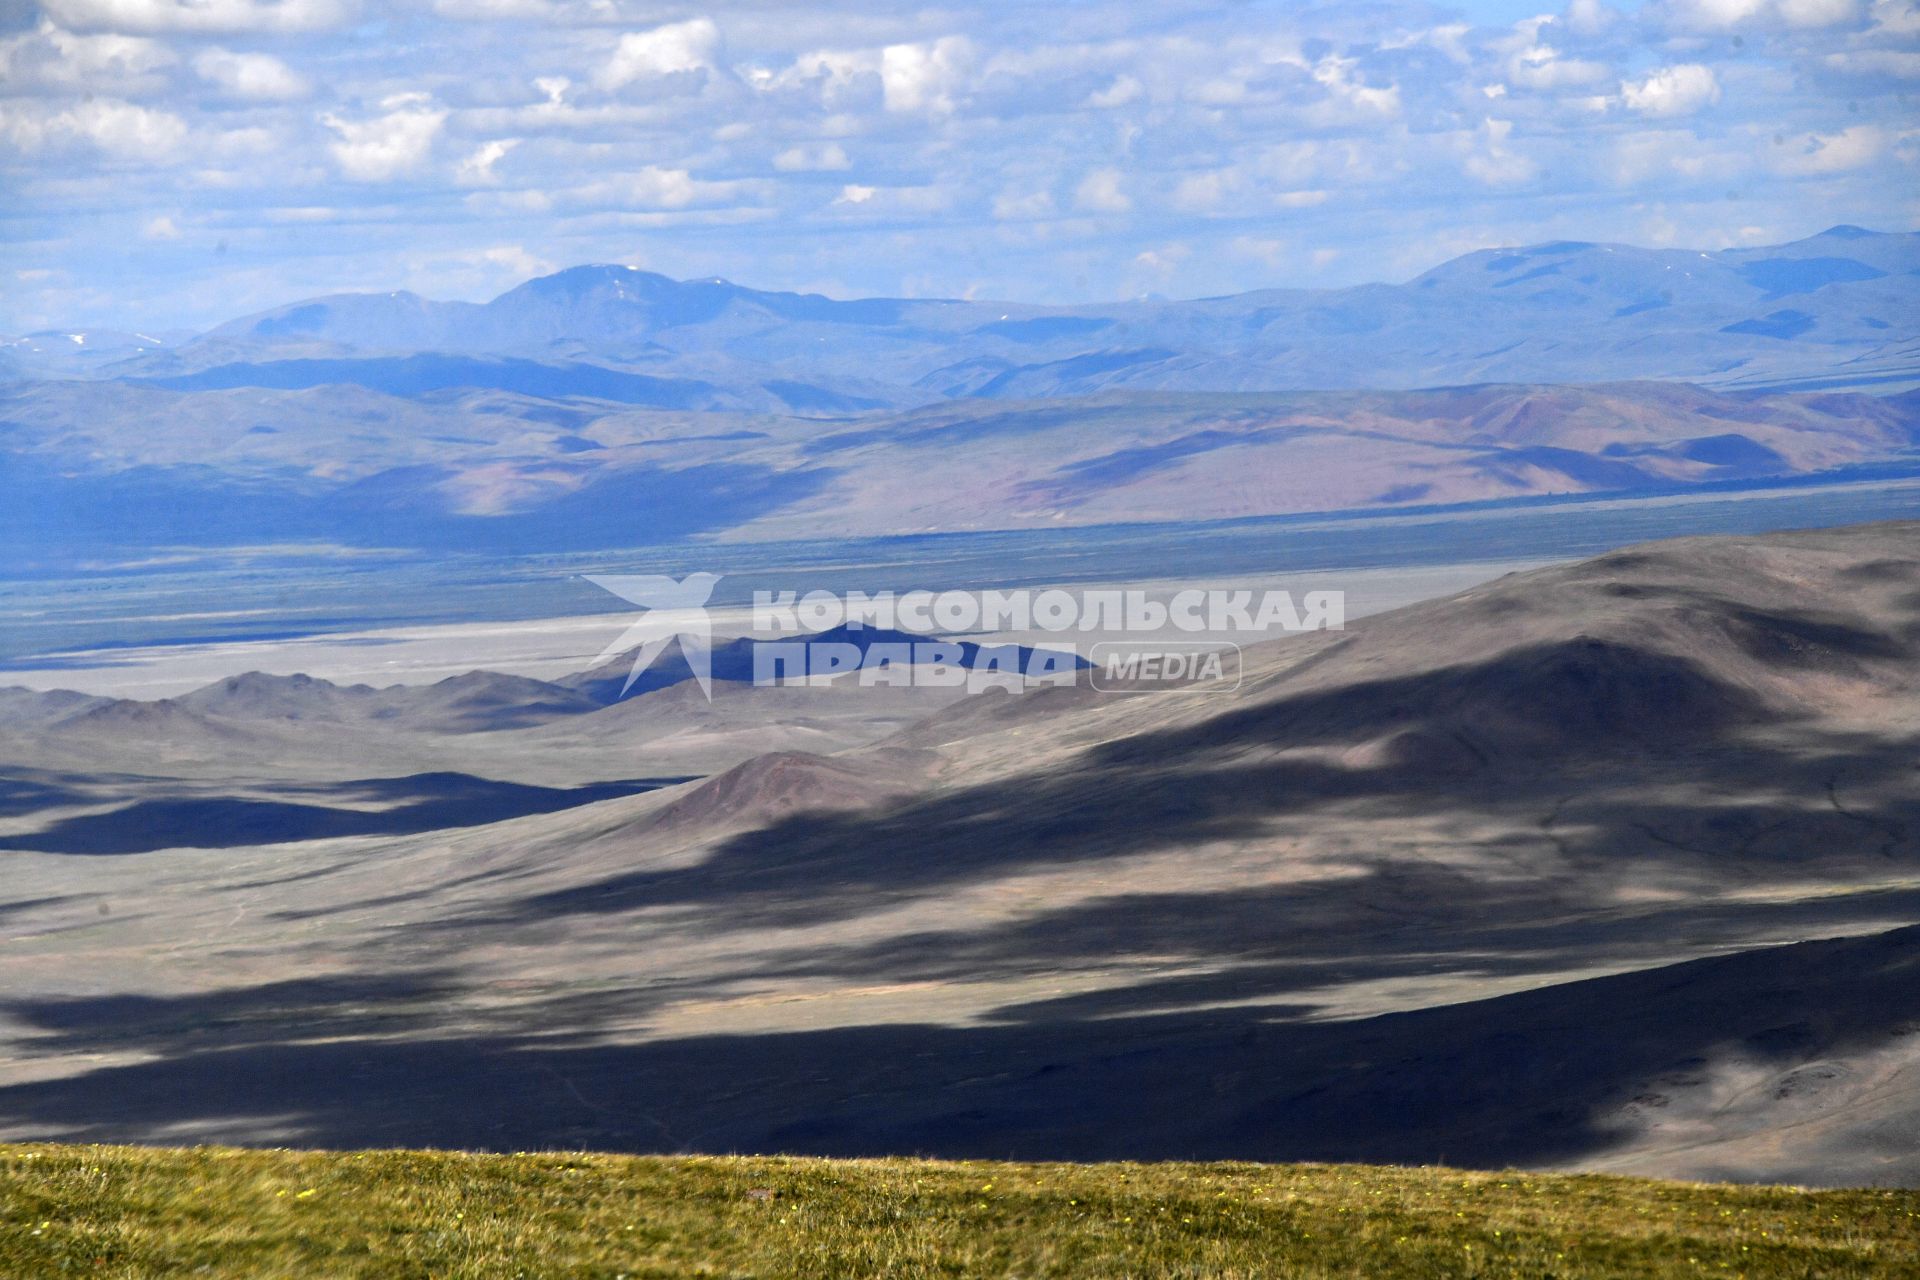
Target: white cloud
[[1449, 39], [513, 203], [1818, 13], [1589, 17], [1018, 206], [256, 77], [514, 260], [388, 146], [923, 77], [1712, 15], [486, 10], [654, 187], [477, 169], [160, 228], [1540, 66], [1337, 75], [1492, 162], [674, 49], [1233, 190], [116, 127], [819, 157], [201, 16], [1205, 192], [1901, 63], [1099, 192], [1815, 153], [1672, 91], [1123, 90], [1163, 261], [1724, 15], [54, 58], [919, 201], [1896, 17], [1661, 155], [835, 74], [1266, 249]]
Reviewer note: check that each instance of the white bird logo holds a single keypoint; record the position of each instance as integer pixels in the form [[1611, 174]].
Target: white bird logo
[[674, 611]]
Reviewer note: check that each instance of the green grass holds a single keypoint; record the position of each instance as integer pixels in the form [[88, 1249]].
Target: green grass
[[206, 1211]]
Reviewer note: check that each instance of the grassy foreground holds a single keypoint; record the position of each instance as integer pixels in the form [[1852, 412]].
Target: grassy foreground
[[125, 1211]]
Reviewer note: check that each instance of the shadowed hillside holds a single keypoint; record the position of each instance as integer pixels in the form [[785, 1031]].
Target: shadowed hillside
[[1610, 865]]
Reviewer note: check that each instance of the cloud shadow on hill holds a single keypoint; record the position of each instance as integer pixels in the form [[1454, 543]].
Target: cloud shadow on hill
[[1520, 1079], [408, 805]]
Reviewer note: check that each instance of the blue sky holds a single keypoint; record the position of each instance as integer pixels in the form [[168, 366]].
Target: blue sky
[[172, 163]]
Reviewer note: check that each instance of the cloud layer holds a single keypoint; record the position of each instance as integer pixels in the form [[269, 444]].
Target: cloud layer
[[172, 162]]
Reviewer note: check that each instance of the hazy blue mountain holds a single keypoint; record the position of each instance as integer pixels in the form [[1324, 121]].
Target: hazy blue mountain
[[1837, 309], [606, 407], [76, 353], [98, 470]]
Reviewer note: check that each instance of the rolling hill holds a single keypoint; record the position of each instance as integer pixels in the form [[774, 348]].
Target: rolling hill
[[1607, 865]]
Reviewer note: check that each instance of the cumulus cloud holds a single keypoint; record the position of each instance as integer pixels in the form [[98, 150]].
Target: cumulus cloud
[[1337, 75], [1896, 17], [388, 146], [1725, 15], [1542, 67], [655, 187], [815, 157], [255, 77], [918, 77], [201, 16], [1672, 91], [1902, 64], [924, 77], [1022, 206], [477, 169], [1813, 153], [50, 57], [919, 201], [116, 127], [1818, 13], [1664, 155], [513, 259], [1164, 260], [1589, 17], [674, 49], [1494, 163], [1123, 89], [1100, 192], [488, 10]]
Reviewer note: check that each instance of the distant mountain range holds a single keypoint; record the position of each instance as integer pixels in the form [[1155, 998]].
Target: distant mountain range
[[605, 407], [1835, 309]]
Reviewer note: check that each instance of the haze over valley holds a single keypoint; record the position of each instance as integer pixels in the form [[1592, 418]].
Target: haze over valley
[[604, 407]]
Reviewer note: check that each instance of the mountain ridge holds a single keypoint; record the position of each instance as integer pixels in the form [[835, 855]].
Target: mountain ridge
[[1755, 316]]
